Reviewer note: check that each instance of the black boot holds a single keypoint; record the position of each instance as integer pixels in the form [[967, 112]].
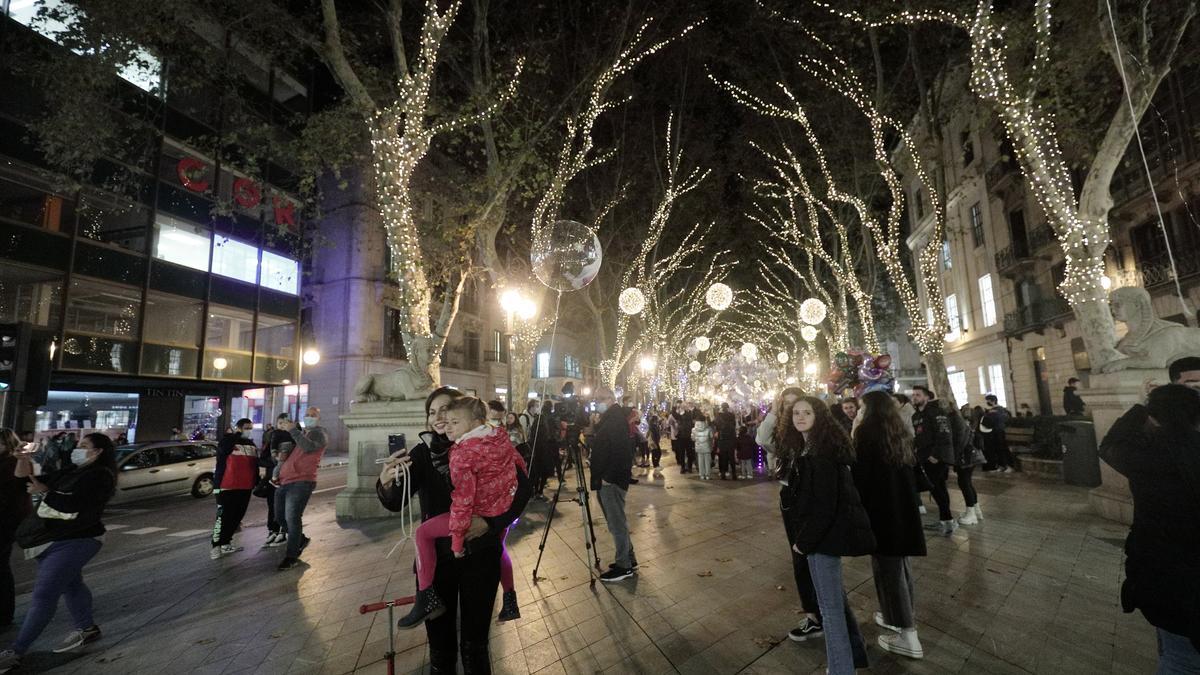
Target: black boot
[[508, 607], [475, 659], [443, 661], [426, 606]]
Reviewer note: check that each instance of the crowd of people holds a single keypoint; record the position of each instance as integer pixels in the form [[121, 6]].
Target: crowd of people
[[851, 473]]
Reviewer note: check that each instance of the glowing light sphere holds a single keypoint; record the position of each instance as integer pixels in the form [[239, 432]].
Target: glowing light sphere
[[220, 363], [632, 301], [703, 343], [719, 296], [810, 369], [694, 366], [1105, 282], [648, 363], [782, 357], [791, 379], [749, 351], [808, 333], [812, 311], [312, 357]]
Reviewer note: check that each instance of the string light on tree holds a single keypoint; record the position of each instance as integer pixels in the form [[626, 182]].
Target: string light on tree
[[632, 301], [719, 296]]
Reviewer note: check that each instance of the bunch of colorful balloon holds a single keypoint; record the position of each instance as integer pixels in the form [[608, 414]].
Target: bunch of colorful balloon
[[856, 372]]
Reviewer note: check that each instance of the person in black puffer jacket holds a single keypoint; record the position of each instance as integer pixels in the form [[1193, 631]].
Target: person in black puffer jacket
[[14, 506], [1157, 447], [466, 585], [64, 535], [829, 522]]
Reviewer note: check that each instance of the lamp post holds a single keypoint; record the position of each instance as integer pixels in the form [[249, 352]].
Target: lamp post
[[514, 303]]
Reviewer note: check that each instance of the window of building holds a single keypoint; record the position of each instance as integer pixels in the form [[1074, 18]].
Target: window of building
[[983, 388], [471, 342], [1079, 354], [958, 385], [181, 242], [275, 350], [968, 148], [393, 335], [987, 299], [101, 327], [977, 224], [235, 259], [918, 205], [996, 379], [947, 263], [143, 70], [952, 318], [106, 412], [32, 206], [106, 221], [280, 273], [543, 364], [228, 344], [171, 342], [30, 294]]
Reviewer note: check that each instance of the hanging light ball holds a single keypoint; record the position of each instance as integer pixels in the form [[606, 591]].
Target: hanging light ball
[[782, 357], [808, 333], [694, 366], [812, 311], [719, 296], [750, 351], [631, 301], [702, 343]]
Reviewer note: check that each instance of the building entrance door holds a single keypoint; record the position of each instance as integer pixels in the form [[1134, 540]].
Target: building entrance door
[[1041, 379]]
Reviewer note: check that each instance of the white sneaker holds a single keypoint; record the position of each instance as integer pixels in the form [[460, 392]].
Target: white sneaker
[[215, 554], [968, 517], [905, 644], [978, 512], [948, 527]]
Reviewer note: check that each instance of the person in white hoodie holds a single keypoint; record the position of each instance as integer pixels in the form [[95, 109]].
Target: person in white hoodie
[[702, 436]]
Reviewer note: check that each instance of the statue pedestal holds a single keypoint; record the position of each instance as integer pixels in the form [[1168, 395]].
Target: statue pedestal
[[369, 425], [1108, 396]]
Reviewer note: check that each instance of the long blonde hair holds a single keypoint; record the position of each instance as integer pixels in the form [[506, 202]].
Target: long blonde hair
[[10, 443]]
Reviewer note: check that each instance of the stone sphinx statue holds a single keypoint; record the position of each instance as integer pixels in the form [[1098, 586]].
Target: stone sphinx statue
[[1151, 342], [403, 384]]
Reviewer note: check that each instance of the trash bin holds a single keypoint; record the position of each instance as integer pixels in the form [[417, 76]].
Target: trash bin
[[1081, 459]]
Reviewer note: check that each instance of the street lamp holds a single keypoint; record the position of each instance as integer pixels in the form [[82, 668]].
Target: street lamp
[[515, 304], [311, 357]]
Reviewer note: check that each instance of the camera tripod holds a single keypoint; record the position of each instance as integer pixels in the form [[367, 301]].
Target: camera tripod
[[582, 496]]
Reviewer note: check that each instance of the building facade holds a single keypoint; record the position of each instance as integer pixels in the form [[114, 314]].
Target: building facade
[[1011, 332], [167, 311]]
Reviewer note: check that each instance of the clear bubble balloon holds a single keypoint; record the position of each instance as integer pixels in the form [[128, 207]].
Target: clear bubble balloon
[[567, 256]]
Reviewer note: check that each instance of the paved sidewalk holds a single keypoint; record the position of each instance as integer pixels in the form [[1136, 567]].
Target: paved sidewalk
[[1033, 589]]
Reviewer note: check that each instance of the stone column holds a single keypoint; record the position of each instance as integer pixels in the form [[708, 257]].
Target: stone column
[[369, 425], [1108, 396]]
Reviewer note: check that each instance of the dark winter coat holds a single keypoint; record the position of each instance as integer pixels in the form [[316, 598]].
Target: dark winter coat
[[429, 479], [14, 499], [85, 491], [889, 495], [725, 426], [932, 435], [1162, 552], [746, 447], [825, 510], [612, 449], [1072, 403]]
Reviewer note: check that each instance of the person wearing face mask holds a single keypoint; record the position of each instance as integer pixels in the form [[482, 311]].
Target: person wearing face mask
[[297, 480], [234, 479], [63, 535]]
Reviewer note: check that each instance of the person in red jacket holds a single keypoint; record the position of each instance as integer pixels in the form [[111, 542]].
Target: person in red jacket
[[235, 477], [481, 471]]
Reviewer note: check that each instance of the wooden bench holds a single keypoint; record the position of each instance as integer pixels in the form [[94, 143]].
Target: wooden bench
[[1020, 439]]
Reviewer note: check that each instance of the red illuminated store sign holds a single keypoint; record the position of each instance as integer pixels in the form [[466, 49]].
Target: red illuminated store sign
[[246, 193]]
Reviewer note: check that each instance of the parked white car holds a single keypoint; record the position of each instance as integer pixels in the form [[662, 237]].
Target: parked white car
[[146, 470]]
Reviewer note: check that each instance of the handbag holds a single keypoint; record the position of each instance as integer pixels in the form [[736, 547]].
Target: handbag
[[263, 488]]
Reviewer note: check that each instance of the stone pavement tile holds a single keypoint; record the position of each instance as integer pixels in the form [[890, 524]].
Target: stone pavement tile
[[513, 663], [555, 668], [540, 655]]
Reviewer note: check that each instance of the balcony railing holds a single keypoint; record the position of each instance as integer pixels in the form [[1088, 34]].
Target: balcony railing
[[1020, 254], [1156, 271], [1036, 316], [561, 372], [1000, 173]]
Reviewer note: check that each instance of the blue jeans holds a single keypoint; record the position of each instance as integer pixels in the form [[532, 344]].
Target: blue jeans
[[60, 572], [1176, 655], [844, 646], [290, 501]]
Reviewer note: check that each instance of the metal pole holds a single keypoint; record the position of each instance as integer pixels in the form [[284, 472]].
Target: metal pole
[[508, 326]]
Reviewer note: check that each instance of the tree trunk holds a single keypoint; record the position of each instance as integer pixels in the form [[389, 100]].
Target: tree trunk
[[866, 322], [937, 379]]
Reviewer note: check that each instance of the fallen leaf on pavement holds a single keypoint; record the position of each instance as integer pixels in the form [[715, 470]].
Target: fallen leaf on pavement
[[779, 588], [724, 559], [766, 642], [705, 573]]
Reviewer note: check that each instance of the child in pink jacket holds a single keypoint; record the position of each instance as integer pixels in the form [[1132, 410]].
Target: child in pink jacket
[[484, 478]]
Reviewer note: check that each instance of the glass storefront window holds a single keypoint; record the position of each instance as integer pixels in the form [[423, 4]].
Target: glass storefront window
[[171, 344], [280, 273], [275, 353], [121, 224], [32, 206], [30, 294], [181, 242], [84, 412], [201, 417], [101, 327], [234, 259], [228, 344]]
